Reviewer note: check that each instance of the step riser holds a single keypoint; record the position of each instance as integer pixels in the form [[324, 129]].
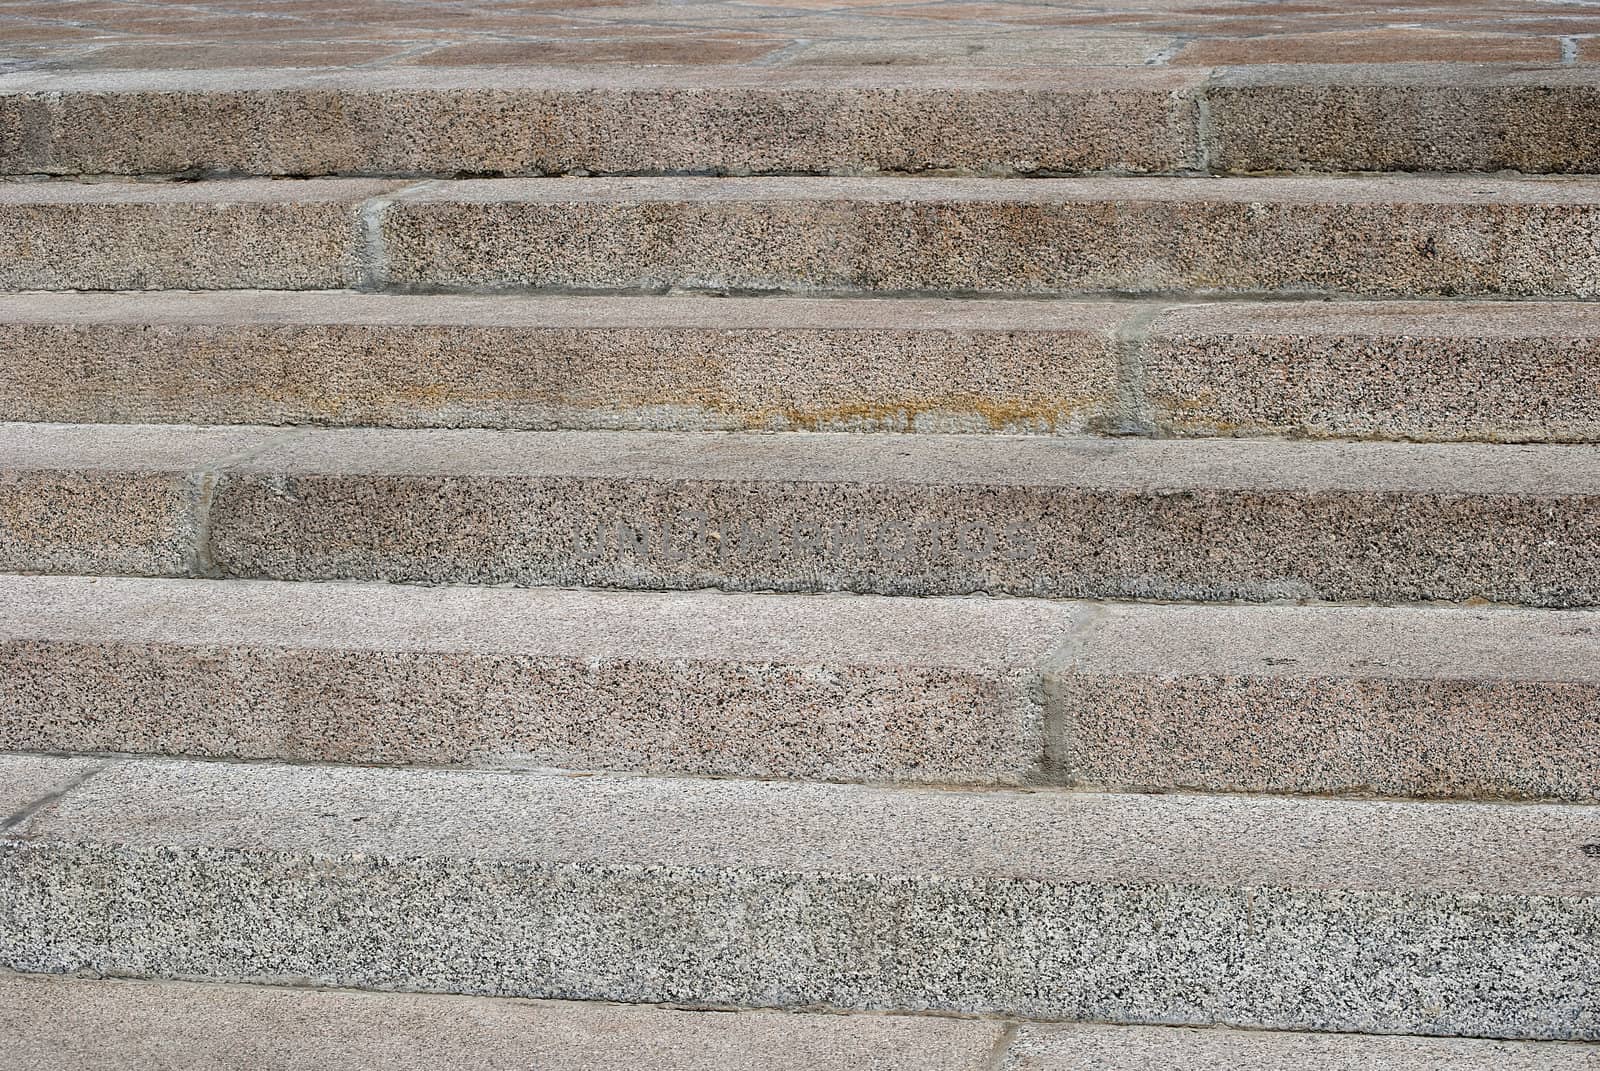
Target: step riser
[[182, 247], [727, 893], [851, 537], [1027, 246], [892, 378], [730, 122], [895, 515], [1163, 955], [1261, 120], [896, 236], [1422, 371], [529, 132], [1451, 703], [1394, 547]]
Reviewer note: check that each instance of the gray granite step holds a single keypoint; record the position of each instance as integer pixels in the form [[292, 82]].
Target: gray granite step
[[1458, 703], [1420, 370], [87, 1024], [1474, 919], [1381, 235], [722, 120], [1222, 519]]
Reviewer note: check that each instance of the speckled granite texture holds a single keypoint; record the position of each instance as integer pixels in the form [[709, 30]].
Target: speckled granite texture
[[1447, 919]]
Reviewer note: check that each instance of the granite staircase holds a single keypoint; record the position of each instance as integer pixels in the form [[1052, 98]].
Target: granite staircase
[[961, 570]]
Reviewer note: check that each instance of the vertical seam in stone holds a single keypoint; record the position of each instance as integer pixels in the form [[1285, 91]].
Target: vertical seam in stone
[[1131, 415], [203, 485], [1205, 131], [1002, 1047], [1189, 101], [783, 55], [29, 810], [373, 274], [1086, 617]]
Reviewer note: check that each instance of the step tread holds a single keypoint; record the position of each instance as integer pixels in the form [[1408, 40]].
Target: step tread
[[1094, 1047], [603, 820], [90, 1025], [872, 189], [107, 1023], [813, 457], [1367, 319]]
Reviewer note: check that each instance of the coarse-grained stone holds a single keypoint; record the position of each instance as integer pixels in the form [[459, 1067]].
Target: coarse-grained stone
[[554, 120], [1096, 1047], [101, 499], [547, 362], [30, 781], [1519, 372], [196, 236], [1478, 919], [1403, 117], [119, 1025], [947, 117], [836, 687], [1379, 235], [1465, 703], [1218, 519]]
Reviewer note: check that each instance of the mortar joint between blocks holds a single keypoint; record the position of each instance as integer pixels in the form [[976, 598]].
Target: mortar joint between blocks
[[203, 484], [28, 810], [373, 271], [1002, 1046], [1131, 415]]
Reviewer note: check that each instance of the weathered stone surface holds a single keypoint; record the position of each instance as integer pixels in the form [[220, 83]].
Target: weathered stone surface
[[1066, 35], [1403, 117], [30, 781], [887, 514], [100, 499], [103, 1025], [920, 515], [551, 120], [196, 236], [1518, 372], [1002, 117], [842, 687], [1376, 235], [1093, 1047], [1340, 915], [1402, 702], [691, 363]]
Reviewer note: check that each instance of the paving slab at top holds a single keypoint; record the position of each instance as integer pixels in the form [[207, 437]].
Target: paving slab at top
[[64, 35]]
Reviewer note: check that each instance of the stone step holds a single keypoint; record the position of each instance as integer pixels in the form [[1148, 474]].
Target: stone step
[[1400, 702], [1383, 235], [540, 121], [1343, 915], [1205, 520], [686, 363], [53, 1023], [115, 1025], [1424, 370]]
